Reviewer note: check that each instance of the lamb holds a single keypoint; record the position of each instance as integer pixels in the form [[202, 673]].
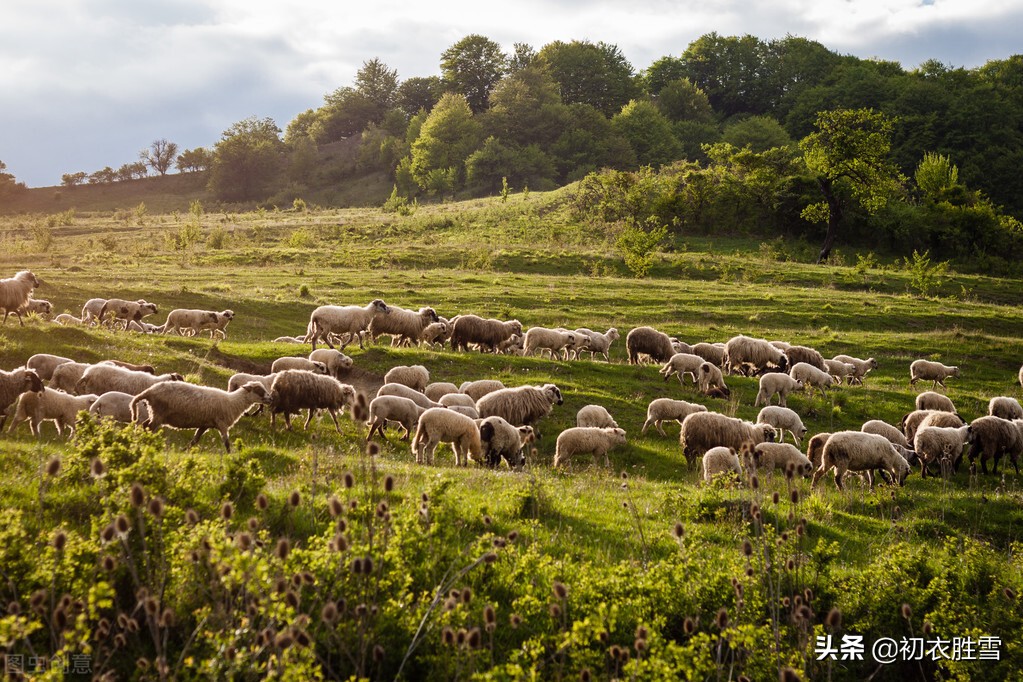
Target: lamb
[[815, 448], [457, 400], [304, 364], [711, 381], [714, 353], [336, 362], [749, 355], [479, 388], [487, 333], [125, 311], [885, 429], [67, 375], [914, 420], [436, 333], [414, 376], [241, 378], [470, 412], [661, 410], [991, 437], [596, 416], [91, 311], [681, 364], [513, 345], [580, 440], [404, 326], [929, 400], [599, 343], [437, 389], [352, 320], [858, 451], [441, 425], [933, 371], [783, 419], [406, 392], [720, 460], [703, 430], [521, 406], [146, 328], [649, 342], [15, 293], [182, 319], [502, 440], [104, 377], [289, 339], [940, 444], [148, 369], [840, 371], [771, 456], [117, 405], [1005, 407], [44, 364], [810, 356], [50, 405], [860, 367], [13, 384], [776, 383], [180, 405], [66, 320], [811, 377], [396, 409], [294, 389], [40, 307], [540, 339]]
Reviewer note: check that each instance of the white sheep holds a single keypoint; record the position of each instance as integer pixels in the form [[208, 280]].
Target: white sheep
[[436, 333], [648, 342], [15, 292], [290, 339], [67, 375], [146, 328], [554, 341], [599, 343], [470, 412], [940, 444], [815, 448], [121, 309], [117, 405], [810, 356], [404, 326], [44, 364], [929, 400], [860, 367], [457, 399], [299, 363], [50, 405], [479, 388], [441, 425], [859, 451], [12, 385], [182, 319], [720, 461], [435, 390], [714, 353], [1020, 376], [521, 406], [776, 384], [406, 392], [581, 440], [748, 355], [413, 376], [840, 371], [91, 311], [771, 456], [783, 419], [1005, 407], [336, 362], [992, 437], [933, 371], [105, 377], [702, 431], [294, 390], [37, 306], [661, 410], [488, 334], [352, 320], [681, 364], [811, 377], [501, 440], [67, 320], [180, 405], [385, 408], [711, 381], [885, 429], [596, 416], [513, 345], [914, 420]]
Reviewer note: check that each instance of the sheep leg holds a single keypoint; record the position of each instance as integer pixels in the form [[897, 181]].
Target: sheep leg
[[309, 419], [333, 415], [198, 434], [227, 441]]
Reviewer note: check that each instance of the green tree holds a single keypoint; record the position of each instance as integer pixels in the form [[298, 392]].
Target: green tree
[[936, 175], [448, 135], [760, 133], [346, 113], [587, 143], [247, 160], [523, 56], [736, 73], [662, 72], [8, 184], [192, 160], [680, 100], [495, 164], [377, 83], [104, 176], [301, 125], [649, 133], [848, 154], [520, 108], [419, 94], [160, 155], [473, 66], [595, 74], [73, 179]]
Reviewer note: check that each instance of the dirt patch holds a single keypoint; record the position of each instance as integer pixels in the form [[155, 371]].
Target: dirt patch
[[367, 383], [238, 364]]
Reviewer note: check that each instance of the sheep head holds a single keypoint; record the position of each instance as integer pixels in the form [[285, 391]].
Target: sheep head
[[553, 393], [379, 307]]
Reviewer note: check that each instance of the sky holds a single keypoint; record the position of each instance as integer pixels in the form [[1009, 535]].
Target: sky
[[86, 84]]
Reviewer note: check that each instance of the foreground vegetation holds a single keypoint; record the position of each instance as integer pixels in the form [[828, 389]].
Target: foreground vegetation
[[303, 555]]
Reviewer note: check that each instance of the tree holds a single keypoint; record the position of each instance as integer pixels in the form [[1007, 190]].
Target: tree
[[347, 112], [247, 160], [160, 155], [103, 177], [473, 66], [760, 133], [594, 74], [662, 72], [648, 131], [520, 108], [448, 135], [418, 94], [523, 56], [73, 179], [848, 154], [736, 73], [133, 171], [377, 83], [587, 143], [192, 160], [8, 185], [680, 100]]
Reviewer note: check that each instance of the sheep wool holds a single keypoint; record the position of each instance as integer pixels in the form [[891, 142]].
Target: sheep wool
[[702, 431], [182, 319], [749, 355], [711, 381], [776, 384], [815, 448], [117, 406], [595, 416], [859, 451], [415, 376], [720, 461], [501, 440], [402, 411], [50, 405], [437, 389], [294, 390], [940, 444], [885, 429], [681, 364], [931, 371], [599, 343], [105, 377], [661, 410], [488, 334], [648, 342], [15, 292], [336, 362], [587, 440], [44, 364], [298, 363], [352, 320], [521, 406], [860, 367], [991, 438], [406, 392], [440, 425], [1005, 407], [783, 419], [404, 326], [772, 456], [479, 388], [811, 377]]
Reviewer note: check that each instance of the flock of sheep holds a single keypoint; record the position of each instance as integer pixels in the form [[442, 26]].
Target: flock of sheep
[[487, 422]]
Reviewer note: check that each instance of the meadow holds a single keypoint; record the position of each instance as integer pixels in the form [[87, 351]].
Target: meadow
[[304, 554]]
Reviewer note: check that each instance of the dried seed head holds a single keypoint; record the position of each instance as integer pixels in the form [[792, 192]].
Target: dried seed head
[[282, 549], [96, 468], [615, 651], [489, 557], [349, 479], [907, 612], [137, 495], [150, 605], [679, 531], [448, 635], [927, 627], [641, 632], [244, 541], [788, 675], [450, 604], [749, 572], [489, 614], [156, 507], [834, 620], [513, 536], [109, 563], [295, 499], [790, 470], [794, 496], [555, 611], [378, 654], [252, 524], [754, 482], [466, 595], [388, 483], [474, 638], [291, 599], [121, 524], [790, 565], [192, 517], [367, 565], [560, 591], [747, 548], [1009, 593], [284, 640], [53, 466], [60, 540], [167, 618], [340, 543], [515, 620], [357, 565], [776, 497], [226, 511], [372, 449], [688, 626], [328, 614], [639, 645], [584, 675], [808, 595], [722, 618], [302, 638]]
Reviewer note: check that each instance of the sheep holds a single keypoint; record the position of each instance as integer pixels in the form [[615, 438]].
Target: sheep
[[479, 388], [294, 389], [1020, 376], [540, 339], [437, 389], [299, 363], [521, 406], [940, 444], [914, 420], [91, 311], [720, 460], [393, 408], [466, 410], [66, 320], [117, 405], [665, 409], [487, 333], [797, 354], [935, 371], [145, 327], [885, 429], [649, 342], [436, 333], [457, 400], [336, 362], [13, 384], [513, 345], [15, 292], [180, 405], [741, 351], [783, 419], [580, 440], [50, 405], [242, 378], [681, 364], [290, 339], [441, 425], [991, 437], [815, 448], [199, 320], [929, 400], [711, 352], [414, 376], [781, 345], [811, 377], [406, 392], [860, 367], [502, 440], [711, 381], [125, 311], [148, 369], [40, 307], [67, 375], [404, 326], [103, 377], [599, 343], [352, 319], [703, 430], [44, 364], [1005, 407], [776, 383], [840, 371], [595, 416], [771, 456], [859, 451]]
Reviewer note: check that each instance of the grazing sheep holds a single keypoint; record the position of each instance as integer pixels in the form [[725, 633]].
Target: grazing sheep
[[839, 371], [940, 444], [12, 385], [599, 343], [661, 410], [581, 440], [933, 371], [758, 354], [414, 376], [38, 306], [67, 375], [711, 381], [294, 389], [858, 451], [783, 419], [1005, 407], [513, 345], [67, 320], [810, 356], [393, 408], [50, 405], [815, 448], [471, 412], [336, 362], [929, 400], [649, 342], [437, 389], [405, 392], [148, 369], [502, 440], [404, 326], [351, 319], [860, 367], [105, 377], [117, 405], [241, 378], [776, 383], [299, 363], [681, 364], [486, 333], [436, 333], [441, 425], [914, 420], [91, 311], [479, 388], [126, 311], [811, 377], [714, 353], [180, 405], [781, 345], [703, 430], [771, 456], [720, 460], [596, 416], [521, 406], [457, 399], [885, 429], [540, 339], [182, 319], [15, 292], [991, 437], [44, 364]]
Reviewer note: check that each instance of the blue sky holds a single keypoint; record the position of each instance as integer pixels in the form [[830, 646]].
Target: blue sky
[[89, 83]]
